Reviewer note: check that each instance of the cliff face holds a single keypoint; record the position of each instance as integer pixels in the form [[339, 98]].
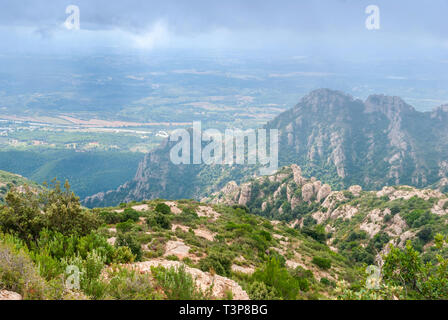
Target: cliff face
[[340, 140]]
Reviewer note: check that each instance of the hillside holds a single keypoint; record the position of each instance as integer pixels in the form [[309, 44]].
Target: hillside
[[183, 250], [359, 224], [162, 250], [340, 140], [10, 180]]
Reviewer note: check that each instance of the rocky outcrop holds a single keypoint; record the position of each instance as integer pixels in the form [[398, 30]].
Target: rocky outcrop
[[406, 193], [245, 194], [355, 190], [9, 295], [324, 192], [307, 192]]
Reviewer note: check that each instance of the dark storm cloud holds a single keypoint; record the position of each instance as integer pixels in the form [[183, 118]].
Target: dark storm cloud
[[335, 27], [186, 16]]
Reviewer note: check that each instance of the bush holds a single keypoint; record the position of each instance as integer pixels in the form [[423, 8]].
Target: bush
[[321, 262], [22, 215], [90, 270], [123, 255], [327, 282], [394, 210], [277, 279], [163, 208], [159, 220], [19, 274], [127, 284], [125, 226], [177, 284], [259, 291], [316, 232], [379, 241], [110, 217], [218, 262], [130, 214], [63, 211], [130, 240], [426, 234]]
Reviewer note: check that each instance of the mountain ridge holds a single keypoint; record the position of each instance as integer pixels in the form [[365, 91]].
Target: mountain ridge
[[333, 136]]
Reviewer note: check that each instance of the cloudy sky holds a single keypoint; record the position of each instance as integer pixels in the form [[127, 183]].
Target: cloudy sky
[[321, 27]]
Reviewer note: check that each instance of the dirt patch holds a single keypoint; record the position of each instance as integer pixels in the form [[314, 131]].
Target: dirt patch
[[246, 270], [183, 228], [173, 206], [205, 211], [294, 264], [206, 234], [177, 248], [142, 207]]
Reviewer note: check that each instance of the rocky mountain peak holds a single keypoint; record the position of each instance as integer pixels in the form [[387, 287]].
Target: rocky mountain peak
[[321, 99], [387, 105]]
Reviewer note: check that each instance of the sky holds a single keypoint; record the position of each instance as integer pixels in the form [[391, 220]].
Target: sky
[[320, 43], [327, 28]]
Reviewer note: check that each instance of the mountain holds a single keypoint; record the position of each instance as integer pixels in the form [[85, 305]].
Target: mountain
[[377, 142], [340, 140]]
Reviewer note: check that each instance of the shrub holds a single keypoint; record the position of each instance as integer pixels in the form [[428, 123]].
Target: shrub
[[321, 262], [405, 268], [127, 284], [110, 217], [445, 205], [90, 270], [123, 255], [426, 234], [218, 262], [130, 214], [278, 279], [177, 284], [259, 291], [316, 232], [63, 211], [379, 241], [394, 210], [125, 226], [163, 208], [327, 282], [22, 215], [130, 240], [19, 274]]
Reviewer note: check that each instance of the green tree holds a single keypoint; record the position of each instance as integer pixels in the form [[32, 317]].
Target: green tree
[[163, 208], [63, 211], [420, 280], [22, 215]]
